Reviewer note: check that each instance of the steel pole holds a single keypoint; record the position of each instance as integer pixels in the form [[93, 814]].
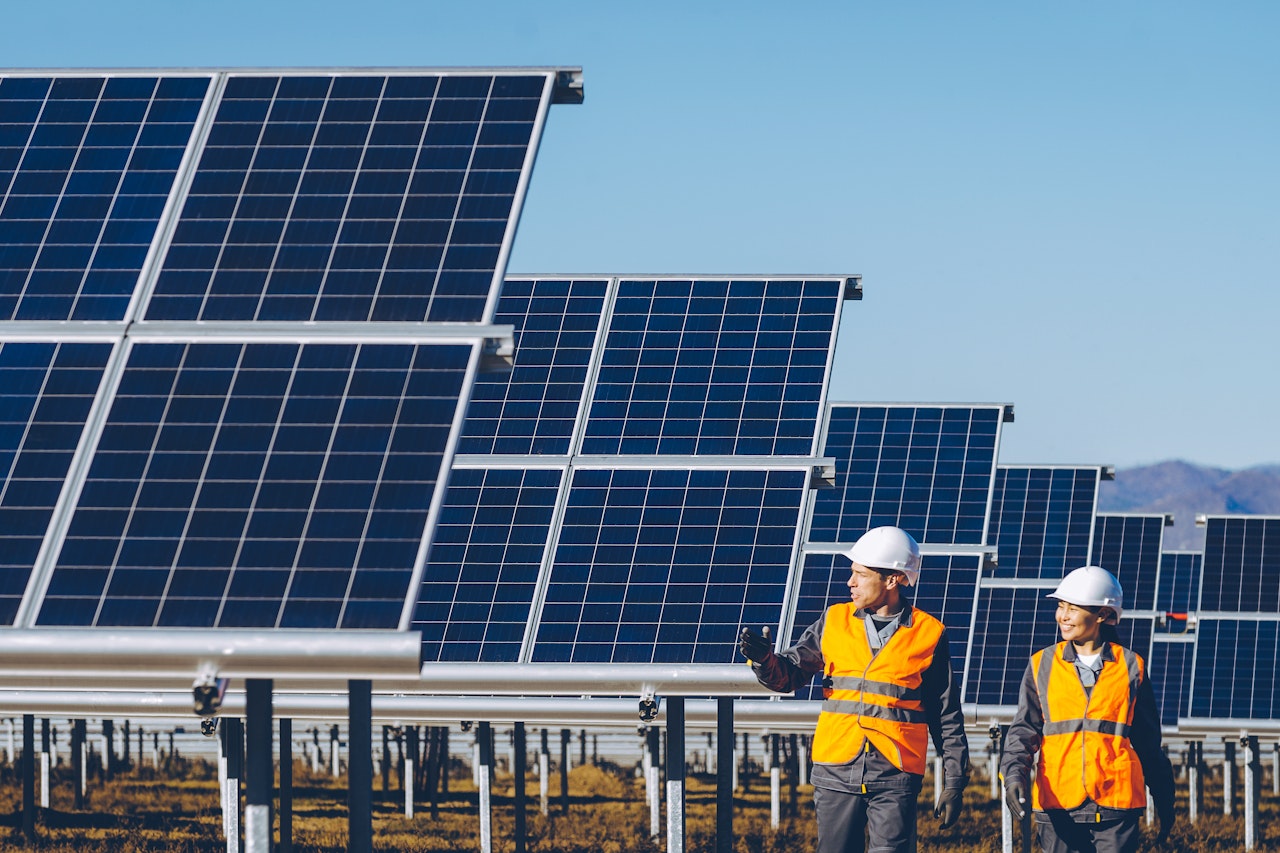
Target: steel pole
[[675, 774], [29, 776], [258, 766], [724, 774], [360, 765], [519, 768], [286, 786], [484, 773]]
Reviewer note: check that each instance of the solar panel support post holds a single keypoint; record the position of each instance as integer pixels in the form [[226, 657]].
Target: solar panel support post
[[519, 769], [44, 763], [108, 750], [233, 749], [335, 752], [802, 759], [1252, 768], [544, 774], [675, 774], [77, 762], [286, 785], [565, 735], [1195, 784], [410, 762], [725, 769], [651, 783], [360, 765], [1275, 769], [9, 747], [258, 765], [775, 783], [385, 767], [1228, 776], [484, 776], [29, 777], [793, 773]]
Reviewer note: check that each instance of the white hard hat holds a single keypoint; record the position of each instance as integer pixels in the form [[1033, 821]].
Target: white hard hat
[[888, 548], [1091, 586]]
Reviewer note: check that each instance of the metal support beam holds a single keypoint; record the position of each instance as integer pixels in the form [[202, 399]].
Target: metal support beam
[[29, 777], [565, 734], [44, 763], [407, 776], [258, 766], [519, 769], [1228, 776], [724, 774], [77, 762], [652, 736], [1252, 772], [675, 774], [1195, 780], [544, 775], [360, 766], [775, 782], [233, 747], [286, 786], [484, 777]]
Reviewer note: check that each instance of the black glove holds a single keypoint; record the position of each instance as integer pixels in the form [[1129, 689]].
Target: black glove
[[755, 647], [1166, 814], [1015, 797], [949, 806]]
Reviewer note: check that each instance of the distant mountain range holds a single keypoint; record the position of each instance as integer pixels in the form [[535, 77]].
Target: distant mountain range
[[1188, 490]]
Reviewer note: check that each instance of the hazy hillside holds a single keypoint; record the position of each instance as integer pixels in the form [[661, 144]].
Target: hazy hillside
[[1187, 490]]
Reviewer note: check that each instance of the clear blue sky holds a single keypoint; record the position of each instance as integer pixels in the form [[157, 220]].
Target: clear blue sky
[[1072, 207]]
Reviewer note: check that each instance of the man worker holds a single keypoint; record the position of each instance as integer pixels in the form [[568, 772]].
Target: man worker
[[889, 687]]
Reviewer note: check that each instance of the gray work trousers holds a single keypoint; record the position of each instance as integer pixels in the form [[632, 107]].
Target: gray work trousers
[[846, 821], [1058, 833]]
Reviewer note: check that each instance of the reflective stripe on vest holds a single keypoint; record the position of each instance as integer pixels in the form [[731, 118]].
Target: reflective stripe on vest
[[1085, 753], [875, 697]]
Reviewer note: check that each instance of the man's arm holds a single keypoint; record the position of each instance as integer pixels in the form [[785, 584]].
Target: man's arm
[[946, 718], [793, 668]]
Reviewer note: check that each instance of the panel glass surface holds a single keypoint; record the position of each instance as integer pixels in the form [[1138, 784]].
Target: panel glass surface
[[482, 569], [1128, 546], [948, 583], [1242, 556], [665, 566], [1170, 668], [46, 391], [351, 197], [1042, 520], [1179, 586], [1235, 670], [259, 486], [714, 367], [1010, 626], [926, 469], [86, 166], [533, 409]]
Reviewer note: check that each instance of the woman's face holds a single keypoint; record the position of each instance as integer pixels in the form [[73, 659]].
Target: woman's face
[[1078, 624]]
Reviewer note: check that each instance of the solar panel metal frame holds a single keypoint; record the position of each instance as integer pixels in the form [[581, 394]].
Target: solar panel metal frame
[[1165, 520]]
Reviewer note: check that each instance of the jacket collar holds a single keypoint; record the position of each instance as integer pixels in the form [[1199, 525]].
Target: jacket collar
[[904, 618], [1069, 652]]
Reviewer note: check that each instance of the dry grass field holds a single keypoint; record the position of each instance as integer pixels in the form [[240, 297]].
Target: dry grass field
[[138, 813]]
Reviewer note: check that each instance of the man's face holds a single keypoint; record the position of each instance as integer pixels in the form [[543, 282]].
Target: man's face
[[870, 589]]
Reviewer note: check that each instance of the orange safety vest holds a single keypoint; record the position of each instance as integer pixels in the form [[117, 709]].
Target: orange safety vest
[[875, 698], [1085, 751]]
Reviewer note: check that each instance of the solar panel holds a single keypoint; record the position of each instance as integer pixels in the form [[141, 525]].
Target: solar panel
[[479, 583], [1179, 585], [45, 397], [665, 565], [1129, 546], [86, 165], [354, 197], [1010, 624], [1235, 669], [1242, 556], [925, 468], [714, 367], [947, 590], [259, 485], [534, 408], [1042, 519], [1171, 671]]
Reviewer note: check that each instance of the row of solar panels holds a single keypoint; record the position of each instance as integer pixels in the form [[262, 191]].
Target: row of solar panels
[[247, 315]]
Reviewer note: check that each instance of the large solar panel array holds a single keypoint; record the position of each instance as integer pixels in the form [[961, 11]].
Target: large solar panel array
[[676, 421], [1237, 635], [341, 238]]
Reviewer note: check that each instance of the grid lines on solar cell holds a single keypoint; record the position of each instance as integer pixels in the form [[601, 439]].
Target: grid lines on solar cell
[[45, 398], [259, 486], [948, 583], [1128, 546], [1042, 520], [1011, 625], [713, 367], [86, 166], [926, 469], [1235, 669], [482, 570], [533, 409], [1179, 584], [1242, 555], [1171, 673], [351, 198], [664, 566]]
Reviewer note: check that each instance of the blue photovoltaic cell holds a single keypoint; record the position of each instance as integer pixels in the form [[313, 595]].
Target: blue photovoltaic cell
[[259, 486], [926, 469], [948, 584], [86, 166], [482, 569], [532, 409], [1235, 669], [665, 566], [1179, 586], [1242, 556], [1042, 520], [1170, 668], [1010, 626], [46, 391], [351, 197], [1135, 634], [1128, 546], [714, 367]]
